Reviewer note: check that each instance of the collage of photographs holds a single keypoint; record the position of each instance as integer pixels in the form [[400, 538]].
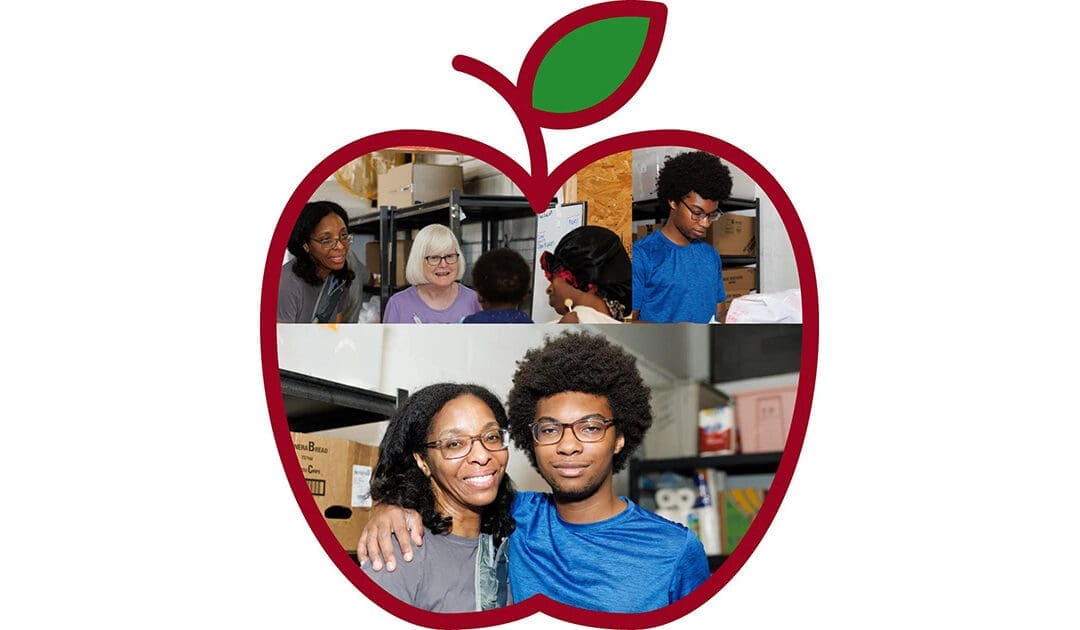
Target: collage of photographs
[[489, 403]]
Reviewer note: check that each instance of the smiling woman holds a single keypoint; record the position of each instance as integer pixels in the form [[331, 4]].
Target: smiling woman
[[322, 284], [445, 454], [436, 297]]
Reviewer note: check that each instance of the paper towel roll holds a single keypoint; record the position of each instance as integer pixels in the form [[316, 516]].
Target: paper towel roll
[[685, 499], [665, 498], [709, 529]]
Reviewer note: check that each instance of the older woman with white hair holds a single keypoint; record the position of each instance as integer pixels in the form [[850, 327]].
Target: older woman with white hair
[[435, 266]]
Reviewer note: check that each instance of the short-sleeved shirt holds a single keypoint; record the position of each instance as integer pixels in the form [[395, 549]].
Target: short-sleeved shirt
[[676, 283], [440, 578], [406, 307], [634, 561], [506, 316]]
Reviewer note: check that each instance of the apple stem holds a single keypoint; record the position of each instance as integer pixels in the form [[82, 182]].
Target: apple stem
[[517, 101]]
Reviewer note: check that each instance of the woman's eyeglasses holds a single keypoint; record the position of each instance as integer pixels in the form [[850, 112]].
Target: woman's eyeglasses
[[588, 429], [328, 242], [456, 447], [434, 261]]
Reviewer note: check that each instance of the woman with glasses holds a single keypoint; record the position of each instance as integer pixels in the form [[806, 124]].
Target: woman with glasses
[[444, 455], [578, 409], [434, 268], [323, 282], [590, 277]]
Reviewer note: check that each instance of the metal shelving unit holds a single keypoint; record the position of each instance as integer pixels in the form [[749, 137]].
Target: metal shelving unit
[[655, 211], [741, 464], [315, 404], [453, 211]]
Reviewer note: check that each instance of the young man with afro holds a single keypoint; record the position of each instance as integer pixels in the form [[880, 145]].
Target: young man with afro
[[578, 408], [677, 275]]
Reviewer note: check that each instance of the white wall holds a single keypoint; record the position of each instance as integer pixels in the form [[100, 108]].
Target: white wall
[[777, 261], [386, 357]]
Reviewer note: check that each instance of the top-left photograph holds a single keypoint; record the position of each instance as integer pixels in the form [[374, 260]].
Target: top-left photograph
[[417, 235]]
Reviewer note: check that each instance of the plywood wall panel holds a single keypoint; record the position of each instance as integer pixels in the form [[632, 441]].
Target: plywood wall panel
[[606, 186]]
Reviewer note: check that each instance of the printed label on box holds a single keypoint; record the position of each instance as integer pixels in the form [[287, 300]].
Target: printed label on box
[[361, 486]]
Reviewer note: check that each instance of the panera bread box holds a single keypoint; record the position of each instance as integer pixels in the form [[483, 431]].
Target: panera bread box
[[338, 475]]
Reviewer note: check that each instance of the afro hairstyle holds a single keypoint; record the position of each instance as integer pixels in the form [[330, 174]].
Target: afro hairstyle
[[696, 171], [501, 276], [581, 362], [399, 481]]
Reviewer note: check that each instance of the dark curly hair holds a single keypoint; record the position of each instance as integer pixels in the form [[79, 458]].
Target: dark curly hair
[[696, 171], [399, 481], [587, 363], [305, 266], [501, 276]]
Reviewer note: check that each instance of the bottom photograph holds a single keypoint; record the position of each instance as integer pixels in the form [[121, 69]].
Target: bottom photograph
[[469, 468]]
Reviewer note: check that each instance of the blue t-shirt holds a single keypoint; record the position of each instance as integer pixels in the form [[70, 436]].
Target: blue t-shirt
[[676, 283], [635, 561], [509, 316]]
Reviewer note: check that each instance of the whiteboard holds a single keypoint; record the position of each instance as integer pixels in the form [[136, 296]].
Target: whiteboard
[[550, 228]]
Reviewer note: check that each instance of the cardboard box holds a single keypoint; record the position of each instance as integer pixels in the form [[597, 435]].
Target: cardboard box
[[675, 407], [763, 418], [374, 264], [338, 474], [643, 230], [411, 184], [739, 281], [734, 235]]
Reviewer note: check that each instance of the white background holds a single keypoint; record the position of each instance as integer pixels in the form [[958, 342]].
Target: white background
[[148, 150]]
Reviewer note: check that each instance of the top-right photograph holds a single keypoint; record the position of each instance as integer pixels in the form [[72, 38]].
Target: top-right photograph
[[708, 244]]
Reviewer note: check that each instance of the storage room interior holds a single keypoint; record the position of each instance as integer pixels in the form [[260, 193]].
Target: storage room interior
[[618, 192], [738, 382]]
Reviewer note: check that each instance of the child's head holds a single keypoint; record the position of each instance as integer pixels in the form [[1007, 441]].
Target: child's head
[[501, 279]]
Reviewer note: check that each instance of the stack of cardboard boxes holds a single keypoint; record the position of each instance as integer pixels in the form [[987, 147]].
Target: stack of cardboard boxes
[[735, 235]]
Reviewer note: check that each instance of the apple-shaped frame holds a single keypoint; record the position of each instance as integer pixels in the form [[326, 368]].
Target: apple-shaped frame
[[538, 189]]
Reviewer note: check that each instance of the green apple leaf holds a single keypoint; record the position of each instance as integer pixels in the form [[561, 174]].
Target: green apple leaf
[[588, 64]]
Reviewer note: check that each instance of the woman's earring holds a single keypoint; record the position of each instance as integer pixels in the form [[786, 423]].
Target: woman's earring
[[569, 304]]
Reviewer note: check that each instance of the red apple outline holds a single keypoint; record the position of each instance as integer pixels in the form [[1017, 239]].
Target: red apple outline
[[538, 186], [540, 189]]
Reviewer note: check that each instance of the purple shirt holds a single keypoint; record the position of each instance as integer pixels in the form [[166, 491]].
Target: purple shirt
[[406, 307]]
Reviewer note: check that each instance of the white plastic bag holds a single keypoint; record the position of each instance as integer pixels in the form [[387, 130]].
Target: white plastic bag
[[369, 312], [783, 307]]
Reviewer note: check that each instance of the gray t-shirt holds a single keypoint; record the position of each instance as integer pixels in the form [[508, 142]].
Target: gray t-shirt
[[440, 578], [297, 299]]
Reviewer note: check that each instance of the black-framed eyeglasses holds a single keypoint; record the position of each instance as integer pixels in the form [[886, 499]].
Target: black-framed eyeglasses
[[458, 446], [697, 216], [329, 242], [434, 261], [588, 429]]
